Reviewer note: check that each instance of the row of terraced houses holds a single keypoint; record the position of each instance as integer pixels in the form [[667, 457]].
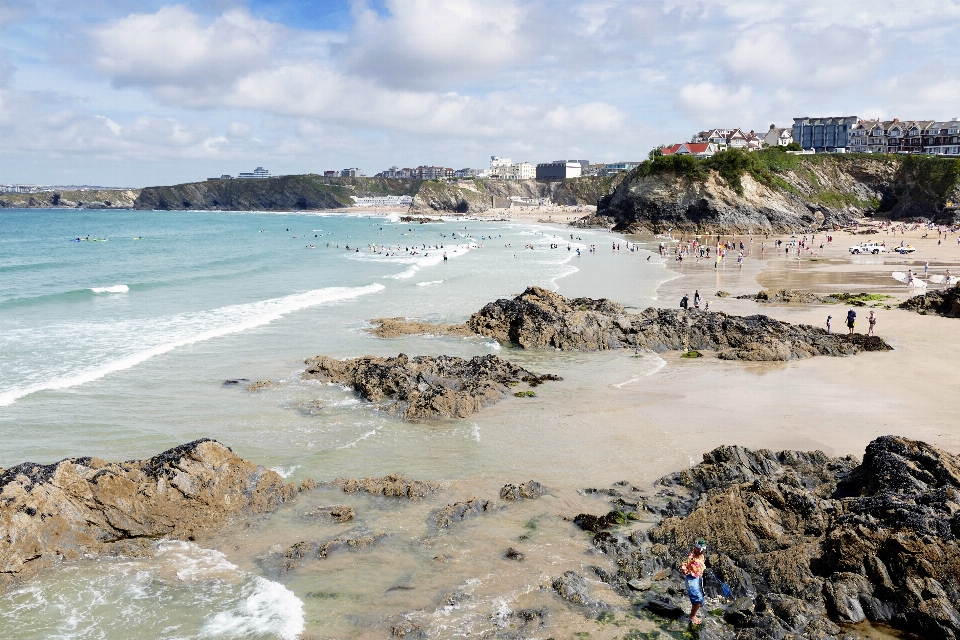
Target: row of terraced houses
[[853, 135], [842, 134]]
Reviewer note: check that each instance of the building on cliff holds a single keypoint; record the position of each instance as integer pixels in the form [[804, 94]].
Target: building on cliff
[[909, 136], [778, 136], [561, 169], [824, 134], [697, 149], [259, 172]]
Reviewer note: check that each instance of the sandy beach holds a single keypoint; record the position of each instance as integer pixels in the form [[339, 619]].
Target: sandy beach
[[836, 405]]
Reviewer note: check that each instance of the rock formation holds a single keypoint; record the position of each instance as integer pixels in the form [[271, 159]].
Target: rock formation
[[542, 319], [392, 486], [84, 506], [943, 302], [773, 191], [460, 511], [529, 490], [788, 296], [806, 541], [425, 387]]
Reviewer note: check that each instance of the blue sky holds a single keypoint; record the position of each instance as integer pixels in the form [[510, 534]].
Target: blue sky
[[124, 93]]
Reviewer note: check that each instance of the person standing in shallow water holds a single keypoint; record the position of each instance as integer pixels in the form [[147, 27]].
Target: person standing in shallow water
[[693, 568]]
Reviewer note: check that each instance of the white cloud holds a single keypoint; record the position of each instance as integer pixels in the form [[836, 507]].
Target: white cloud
[[173, 46], [723, 106], [188, 85], [424, 42]]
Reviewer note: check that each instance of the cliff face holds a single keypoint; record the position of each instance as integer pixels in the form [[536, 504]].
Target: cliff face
[[272, 194], [86, 199], [773, 191], [478, 196]]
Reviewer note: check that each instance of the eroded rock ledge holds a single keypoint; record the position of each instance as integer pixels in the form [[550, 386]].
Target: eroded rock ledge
[[540, 319], [805, 541], [944, 302], [425, 387], [89, 506]]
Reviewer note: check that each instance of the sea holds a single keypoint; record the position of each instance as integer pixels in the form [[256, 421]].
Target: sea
[[125, 333]]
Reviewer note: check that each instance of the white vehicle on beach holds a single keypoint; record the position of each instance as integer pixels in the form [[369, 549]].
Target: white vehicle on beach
[[868, 247]]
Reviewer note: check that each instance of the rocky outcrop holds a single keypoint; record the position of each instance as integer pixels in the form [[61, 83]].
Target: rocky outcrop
[[806, 541], [284, 193], [771, 191], [457, 512], [785, 296], [943, 302], [425, 387], [392, 486], [82, 506], [398, 327], [530, 490], [542, 319], [71, 199], [479, 196]]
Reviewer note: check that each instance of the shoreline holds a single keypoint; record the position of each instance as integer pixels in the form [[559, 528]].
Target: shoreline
[[634, 420]]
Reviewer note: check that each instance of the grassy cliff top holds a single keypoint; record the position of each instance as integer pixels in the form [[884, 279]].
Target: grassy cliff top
[[935, 176]]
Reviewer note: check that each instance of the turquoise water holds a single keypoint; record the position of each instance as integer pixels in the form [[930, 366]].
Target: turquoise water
[[118, 346]]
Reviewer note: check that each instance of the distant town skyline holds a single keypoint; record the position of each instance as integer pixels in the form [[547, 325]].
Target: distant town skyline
[[152, 92]]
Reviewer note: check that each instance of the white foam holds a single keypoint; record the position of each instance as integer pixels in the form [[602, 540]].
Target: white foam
[[180, 330], [117, 288], [269, 608], [427, 284], [285, 472], [180, 591]]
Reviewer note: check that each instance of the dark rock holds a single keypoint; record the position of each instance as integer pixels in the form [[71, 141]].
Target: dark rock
[[423, 387], [784, 296], [460, 511], [542, 319], [87, 506], [574, 588], [739, 613], [589, 522], [944, 302], [529, 490], [234, 382], [665, 607], [824, 540], [513, 554]]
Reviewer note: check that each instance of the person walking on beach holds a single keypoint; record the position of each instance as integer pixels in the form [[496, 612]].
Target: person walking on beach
[[872, 322], [693, 568], [696, 299], [851, 320], [684, 301]]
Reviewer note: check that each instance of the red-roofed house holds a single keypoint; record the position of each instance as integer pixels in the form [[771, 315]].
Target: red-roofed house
[[697, 149]]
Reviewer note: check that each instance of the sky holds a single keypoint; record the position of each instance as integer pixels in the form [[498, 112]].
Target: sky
[[127, 93]]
